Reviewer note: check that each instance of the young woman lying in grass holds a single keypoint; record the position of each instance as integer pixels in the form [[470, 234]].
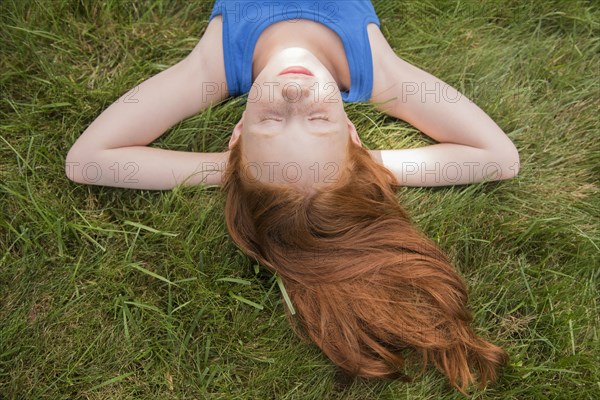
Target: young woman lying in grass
[[303, 196]]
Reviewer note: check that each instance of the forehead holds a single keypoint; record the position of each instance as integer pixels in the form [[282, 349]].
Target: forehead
[[294, 144], [281, 158], [292, 172]]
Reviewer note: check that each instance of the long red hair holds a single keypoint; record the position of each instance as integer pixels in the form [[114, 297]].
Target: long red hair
[[365, 283]]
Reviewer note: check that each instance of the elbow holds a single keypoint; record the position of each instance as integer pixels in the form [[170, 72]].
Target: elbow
[[509, 162], [82, 163], [75, 165], [71, 164]]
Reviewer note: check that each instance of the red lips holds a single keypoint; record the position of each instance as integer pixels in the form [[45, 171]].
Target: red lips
[[296, 70]]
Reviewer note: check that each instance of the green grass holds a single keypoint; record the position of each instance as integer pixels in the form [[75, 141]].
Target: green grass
[[124, 294]]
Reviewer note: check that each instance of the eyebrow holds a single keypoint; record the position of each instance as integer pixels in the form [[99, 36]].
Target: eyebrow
[[268, 135], [280, 105]]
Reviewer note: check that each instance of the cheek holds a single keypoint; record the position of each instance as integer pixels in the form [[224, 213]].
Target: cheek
[[256, 94], [328, 92]]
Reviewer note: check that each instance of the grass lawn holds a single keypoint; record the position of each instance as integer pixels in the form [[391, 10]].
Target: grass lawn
[[109, 293]]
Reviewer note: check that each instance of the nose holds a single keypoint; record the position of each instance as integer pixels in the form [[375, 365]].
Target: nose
[[294, 92]]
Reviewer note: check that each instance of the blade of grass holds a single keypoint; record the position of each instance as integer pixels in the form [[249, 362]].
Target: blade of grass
[[111, 381], [152, 274], [244, 300], [285, 295], [149, 229]]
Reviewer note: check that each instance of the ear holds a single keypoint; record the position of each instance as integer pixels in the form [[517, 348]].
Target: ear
[[353, 133], [237, 131]]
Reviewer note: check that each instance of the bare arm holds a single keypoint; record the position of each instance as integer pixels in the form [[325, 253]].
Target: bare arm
[[113, 150], [471, 147]]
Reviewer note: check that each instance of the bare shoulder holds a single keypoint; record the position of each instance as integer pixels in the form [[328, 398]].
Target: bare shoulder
[[382, 54], [207, 55]]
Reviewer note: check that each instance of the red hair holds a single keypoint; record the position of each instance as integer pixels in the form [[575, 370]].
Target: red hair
[[364, 281]]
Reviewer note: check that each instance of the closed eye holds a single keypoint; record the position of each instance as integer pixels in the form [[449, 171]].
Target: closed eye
[[270, 119], [321, 117]]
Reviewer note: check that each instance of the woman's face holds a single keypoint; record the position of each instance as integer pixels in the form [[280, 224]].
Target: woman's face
[[294, 128]]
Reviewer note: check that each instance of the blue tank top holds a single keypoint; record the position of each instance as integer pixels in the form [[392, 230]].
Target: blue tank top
[[245, 20]]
